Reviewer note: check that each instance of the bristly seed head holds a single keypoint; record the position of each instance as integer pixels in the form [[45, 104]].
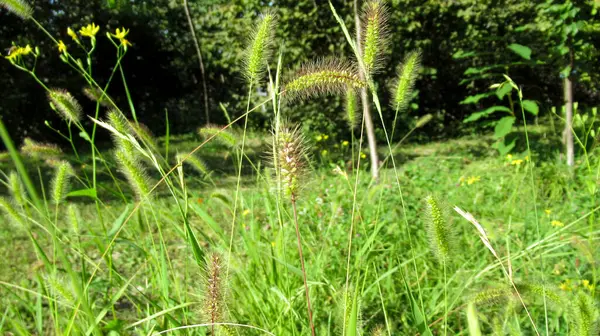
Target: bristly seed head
[[65, 104], [438, 229], [351, 107], [259, 48], [327, 76], [214, 290], [290, 153], [374, 35], [37, 150], [60, 182], [134, 172], [18, 7], [407, 75], [96, 95], [223, 136]]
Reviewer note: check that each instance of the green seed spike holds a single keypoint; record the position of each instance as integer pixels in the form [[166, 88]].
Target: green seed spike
[[290, 159], [327, 76], [351, 107], [60, 182], [37, 150], [13, 214], [16, 189], [195, 162], [134, 172], [18, 7], [407, 74], [259, 48], [224, 137], [492, 296], [65, 104], [374, 35], [438, 229], [117, 120]]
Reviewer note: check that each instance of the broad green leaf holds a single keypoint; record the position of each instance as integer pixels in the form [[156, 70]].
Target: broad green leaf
[[521, 50], [484, 113], [503, 127], [504, 147], [91, 193], [531, 107], [476, 98], [503, 90], [119, 222]]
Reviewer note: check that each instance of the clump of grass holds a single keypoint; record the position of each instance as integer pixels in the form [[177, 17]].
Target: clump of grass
[[65, 104], [259, 48], [60, 181], [18, 7], [325, 76], [403, 87], [374, 35]]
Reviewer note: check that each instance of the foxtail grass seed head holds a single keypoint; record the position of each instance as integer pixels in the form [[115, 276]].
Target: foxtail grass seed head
[[134, 173], [374, 35], [403, 87], [60, 181], [349, 313], [438, 229], [328, 76], [585, 315], [118, 121], [351, 107], [259, 48], [18, 7], [74, 218], [143, 133], [424, 120], [11, 211], [195, 162], [96, 95], [214, 290], [290, 156], [491, 296], [378, 331], [16, 189], [222, 136], [66, 105], [38, 150]]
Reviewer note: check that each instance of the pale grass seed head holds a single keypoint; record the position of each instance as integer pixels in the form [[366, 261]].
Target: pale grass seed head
[[134, 173], [74, 217], [374, 35], [349, 312], [223, 136], [403, 87], [213, 307], [19, 8], [143, 133], [60, 181], [17, 189], [11, 211], [195, 162], [259, 48], [65, 104], [38, 150], [290, 159], [118, 121], [324, 76], [96, 95]]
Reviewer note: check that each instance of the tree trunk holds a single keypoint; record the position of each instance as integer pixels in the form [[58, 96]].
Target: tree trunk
[[197, 45], [569, 114], [365, 104]]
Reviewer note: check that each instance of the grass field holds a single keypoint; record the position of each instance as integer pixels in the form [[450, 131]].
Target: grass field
[[101, 267]]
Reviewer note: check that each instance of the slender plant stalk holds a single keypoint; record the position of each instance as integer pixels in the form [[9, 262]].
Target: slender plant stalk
[[310, 316], [200, 62]]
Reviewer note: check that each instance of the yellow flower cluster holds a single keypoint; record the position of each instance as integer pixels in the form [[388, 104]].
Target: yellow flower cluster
[[516, 162], [469, 180], [321, 137], [121, 34], [569, 285], [557, 223], [89, 31], [16, 52]]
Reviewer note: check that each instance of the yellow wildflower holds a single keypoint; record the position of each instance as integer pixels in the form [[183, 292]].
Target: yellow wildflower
[[325, 136], [73, 35], [527, 158], [566, 285], [120, 33], [125, 43], [246, 212], [556, 223], [90, 30], [324, 152], [516, 162], [509, 157], [548, 212], [319, 138], [363, 155], [586, 284], [473, 179], [61, 46], [16, 52], [345, 143]]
